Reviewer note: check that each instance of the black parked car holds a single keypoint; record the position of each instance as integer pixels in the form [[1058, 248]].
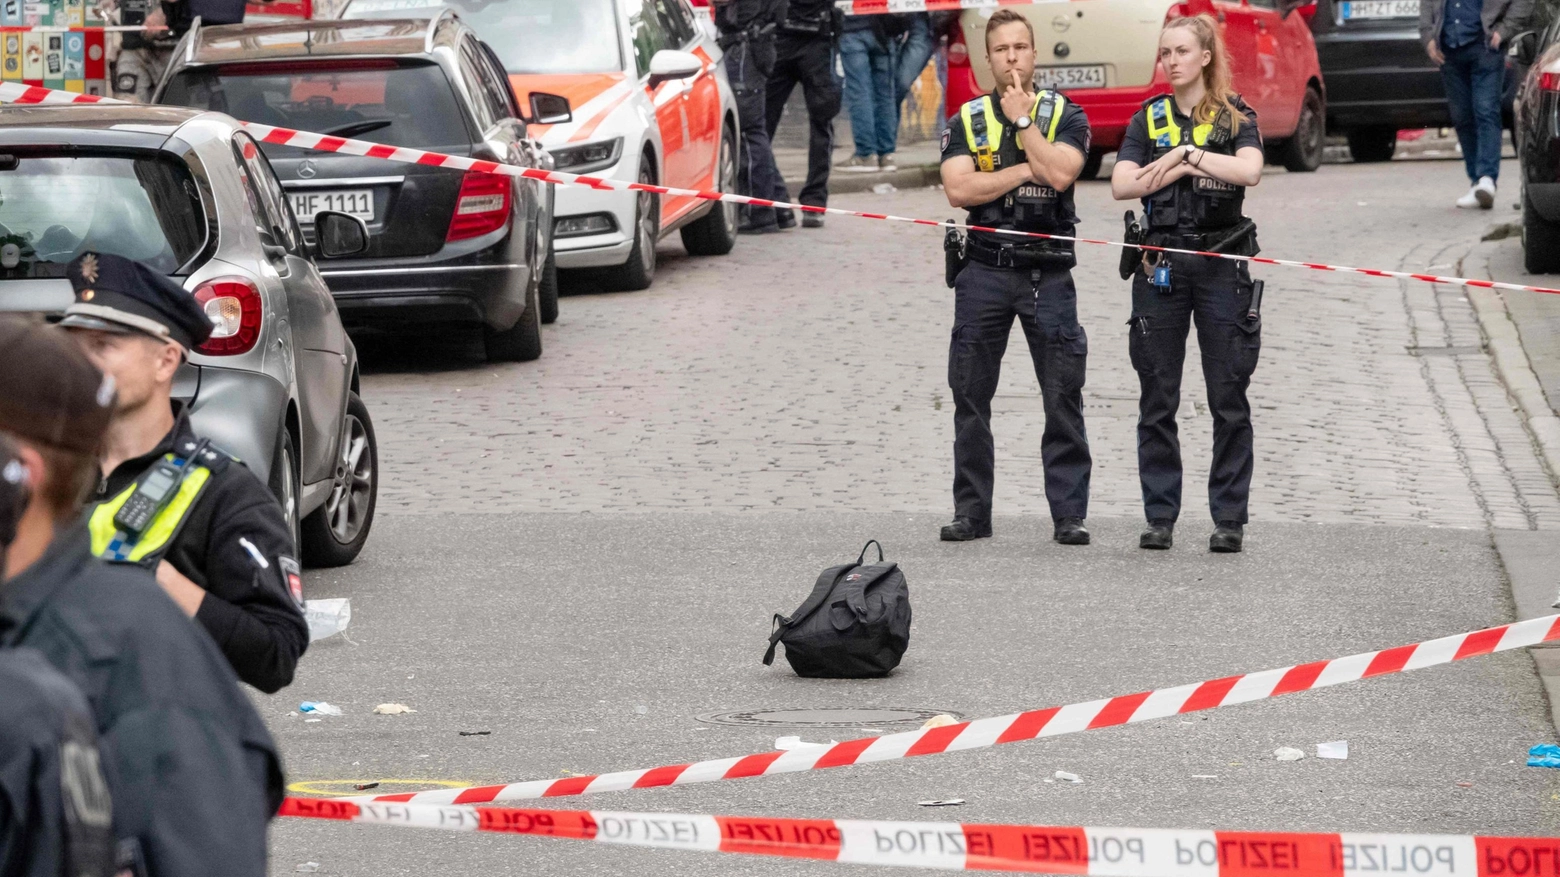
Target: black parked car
[[1379, 78], [1537, 135], [445, 246]]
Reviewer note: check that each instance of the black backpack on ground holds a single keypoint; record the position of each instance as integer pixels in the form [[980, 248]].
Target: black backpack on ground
[[855, 624]]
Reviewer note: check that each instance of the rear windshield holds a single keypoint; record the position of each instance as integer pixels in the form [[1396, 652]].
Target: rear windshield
[[529, 36], [55, 207], [411, 106]]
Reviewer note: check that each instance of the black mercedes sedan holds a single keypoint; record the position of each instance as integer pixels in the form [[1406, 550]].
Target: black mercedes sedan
[[446, 246], [1537, 136]]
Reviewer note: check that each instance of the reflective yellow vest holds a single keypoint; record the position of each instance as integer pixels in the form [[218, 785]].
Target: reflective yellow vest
[[111, 544], [984, 132], [1165, 133]]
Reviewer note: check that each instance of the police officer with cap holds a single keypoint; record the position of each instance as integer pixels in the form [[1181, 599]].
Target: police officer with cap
[[1190, 156], [194, 774], [55, 809], [171, 501], [1011, 157]]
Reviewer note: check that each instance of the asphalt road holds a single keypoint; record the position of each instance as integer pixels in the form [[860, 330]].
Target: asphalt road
[[581, 555]]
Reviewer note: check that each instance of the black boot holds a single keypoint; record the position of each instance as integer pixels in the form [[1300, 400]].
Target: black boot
[[1226, 538], [1070, 531], [785, 218], [965, 529], [1159, 535]]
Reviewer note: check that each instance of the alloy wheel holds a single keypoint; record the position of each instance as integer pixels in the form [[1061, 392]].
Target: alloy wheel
[[347, 507]]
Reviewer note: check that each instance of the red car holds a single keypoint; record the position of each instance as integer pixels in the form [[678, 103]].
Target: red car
[[1103, 55]]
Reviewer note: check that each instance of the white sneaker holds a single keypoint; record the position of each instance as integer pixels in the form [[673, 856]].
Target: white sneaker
[[1485, 193], [1469, 201]]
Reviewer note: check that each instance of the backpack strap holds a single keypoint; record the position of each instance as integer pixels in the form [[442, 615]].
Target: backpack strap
[[854, 591], [820, 592], [863, 558]]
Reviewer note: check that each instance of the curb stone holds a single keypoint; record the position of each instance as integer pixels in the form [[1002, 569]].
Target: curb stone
[[1527, 556]]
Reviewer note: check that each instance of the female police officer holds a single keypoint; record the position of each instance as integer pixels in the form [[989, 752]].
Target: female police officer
[[1190, 156]]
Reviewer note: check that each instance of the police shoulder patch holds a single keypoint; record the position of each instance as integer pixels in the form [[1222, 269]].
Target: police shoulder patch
[[947, 138], [292, 578]]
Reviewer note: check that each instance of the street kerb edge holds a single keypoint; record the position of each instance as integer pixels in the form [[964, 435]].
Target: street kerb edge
[[1030, 725], [1100, 852], [15, 92]]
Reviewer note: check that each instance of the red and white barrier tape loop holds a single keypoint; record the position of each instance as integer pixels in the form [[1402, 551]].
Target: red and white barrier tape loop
[[1050, 722], [1100, 852], [14, 92]]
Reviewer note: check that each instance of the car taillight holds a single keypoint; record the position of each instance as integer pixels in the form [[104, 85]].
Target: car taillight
[[958, 52], [483, 205], [1549, 81], [234, 308]]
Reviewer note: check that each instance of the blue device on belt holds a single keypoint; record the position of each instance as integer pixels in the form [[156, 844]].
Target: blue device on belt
[[1161, 278]]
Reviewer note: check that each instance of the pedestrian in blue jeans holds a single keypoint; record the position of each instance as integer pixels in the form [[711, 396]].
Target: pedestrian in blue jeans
[[868, 54], [1467, 39]]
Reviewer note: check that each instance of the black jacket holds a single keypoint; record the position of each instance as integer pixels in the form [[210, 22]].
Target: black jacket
[[54, 819], [194, 774], [235, 544]]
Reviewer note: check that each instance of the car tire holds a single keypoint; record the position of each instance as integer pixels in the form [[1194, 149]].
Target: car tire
[[521, 342], [1091, 165], [1540, 241], [1372, 144], [1303, 150], [334, 534], [716, 233], [547, 292], [639, 271], [284, 482]]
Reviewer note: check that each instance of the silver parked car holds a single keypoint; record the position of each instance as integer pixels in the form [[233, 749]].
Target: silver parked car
[[191, 194]]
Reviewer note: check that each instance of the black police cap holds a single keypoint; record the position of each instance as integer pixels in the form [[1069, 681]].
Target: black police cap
[[115, 294]]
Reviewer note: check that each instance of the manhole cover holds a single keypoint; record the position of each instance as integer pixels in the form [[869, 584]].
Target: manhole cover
[[810, 718]]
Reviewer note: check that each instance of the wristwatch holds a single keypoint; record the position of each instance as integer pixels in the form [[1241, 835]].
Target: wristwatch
[[1023, 122], [1187, 156]]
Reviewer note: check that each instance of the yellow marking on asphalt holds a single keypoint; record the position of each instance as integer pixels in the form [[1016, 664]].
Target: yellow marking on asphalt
[[335, 788]]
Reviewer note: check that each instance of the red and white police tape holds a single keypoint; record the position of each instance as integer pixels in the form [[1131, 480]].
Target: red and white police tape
[[1050, 722], [87, 28], [1100, 852], [15, 92], [878, 7]]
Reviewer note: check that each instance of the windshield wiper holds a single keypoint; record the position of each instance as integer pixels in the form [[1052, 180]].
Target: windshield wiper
[[353, 129]]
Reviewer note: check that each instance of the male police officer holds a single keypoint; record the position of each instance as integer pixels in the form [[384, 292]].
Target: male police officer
[[214, 535], [747, 36], [55, 810], [1011, 157], [804, 55], [194, 774]]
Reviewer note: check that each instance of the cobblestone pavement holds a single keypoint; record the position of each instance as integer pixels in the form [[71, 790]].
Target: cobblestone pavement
[[806, 371]]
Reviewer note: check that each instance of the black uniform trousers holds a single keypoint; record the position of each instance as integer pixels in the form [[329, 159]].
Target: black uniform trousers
[[1217, 293], [807, 61], [986, 301], [748, 64]]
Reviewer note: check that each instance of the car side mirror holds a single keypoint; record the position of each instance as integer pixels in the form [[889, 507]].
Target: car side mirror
[[1306, 8], [340, 234], [549, 109], [1524, 47], [669, 64]]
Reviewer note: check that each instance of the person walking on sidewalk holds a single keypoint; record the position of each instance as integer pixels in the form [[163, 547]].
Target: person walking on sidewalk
[[804, 55], [1190, 157], [1011, 158], [747, 36], [1467, 40], [868, 54]]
